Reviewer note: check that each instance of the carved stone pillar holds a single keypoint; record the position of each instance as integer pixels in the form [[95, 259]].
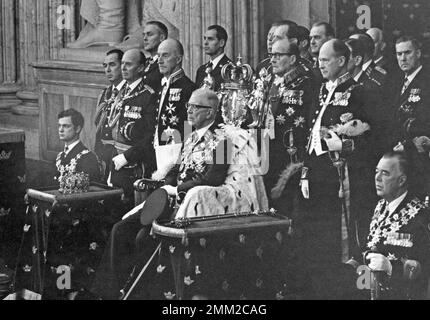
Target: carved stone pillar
[[34, 46], [8, 49]]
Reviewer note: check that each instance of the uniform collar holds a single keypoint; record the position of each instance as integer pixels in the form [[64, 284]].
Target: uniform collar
[[201, 132], [358, 76], [393, 205], [173, 77], [379, 59], [135, 84], [120, 85], [332, 85], [367, 65]]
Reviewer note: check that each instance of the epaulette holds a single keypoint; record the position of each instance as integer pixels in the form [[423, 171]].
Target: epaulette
[[375, 81], [380, 70], [152, 91]]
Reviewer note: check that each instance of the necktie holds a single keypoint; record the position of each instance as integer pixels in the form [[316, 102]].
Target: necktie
[[127, 90], [210, 65], [405, 85], [66, 149], [115, 92], [330, 86]]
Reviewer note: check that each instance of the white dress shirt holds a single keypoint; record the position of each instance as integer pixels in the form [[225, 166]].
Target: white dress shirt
[[392, 206], [70, 147]]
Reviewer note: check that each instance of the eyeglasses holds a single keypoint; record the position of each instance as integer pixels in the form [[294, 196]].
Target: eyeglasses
[[193, 107], [278, 55]]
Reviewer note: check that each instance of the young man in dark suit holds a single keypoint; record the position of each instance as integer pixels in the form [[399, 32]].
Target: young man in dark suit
[[214, 42]]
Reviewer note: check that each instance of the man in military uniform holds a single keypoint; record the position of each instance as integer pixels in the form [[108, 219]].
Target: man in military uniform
[[320, 33], [75, 158], [214, 42], [411, 93], [399, 240], [132, 123], [369, 67], [290, 102], [171, 113], [265, 66], [340, 100], [380, 45], [104, 146], [154, 33]]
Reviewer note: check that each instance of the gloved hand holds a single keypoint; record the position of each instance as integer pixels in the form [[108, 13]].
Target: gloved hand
[[411, 269], [379, 262], [171, 191], [334, 143], [119, 161], [304, 184]]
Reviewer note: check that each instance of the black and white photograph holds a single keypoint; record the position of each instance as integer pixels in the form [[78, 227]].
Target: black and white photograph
[[234, 152]]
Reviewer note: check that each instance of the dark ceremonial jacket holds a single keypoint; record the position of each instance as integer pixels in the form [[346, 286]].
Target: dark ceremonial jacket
[[151, 75], [411, 109], [134, 129], [376, 73], [173, 113], [291, 97], [402, 235], [216, 73], [317, 72], [79, 159], [199, 165], [104, 104]]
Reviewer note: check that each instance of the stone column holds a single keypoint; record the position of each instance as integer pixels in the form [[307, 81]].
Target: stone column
[[8, 58], [34, 44]]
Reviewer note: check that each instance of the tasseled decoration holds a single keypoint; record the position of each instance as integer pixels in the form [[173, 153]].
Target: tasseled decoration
[[285, 176]]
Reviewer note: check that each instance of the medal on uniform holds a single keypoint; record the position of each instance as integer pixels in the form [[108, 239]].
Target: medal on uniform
[[175, 95]]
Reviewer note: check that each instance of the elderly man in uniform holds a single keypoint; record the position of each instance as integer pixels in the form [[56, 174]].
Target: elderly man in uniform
[[290, 102], [340, 100], [132, 123], [214, 43], [171, 113], [104, 146]]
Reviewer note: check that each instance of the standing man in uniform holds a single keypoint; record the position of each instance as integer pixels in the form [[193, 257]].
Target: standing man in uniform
[[214, 42], [340, 98], [132, 123], [154, 33], [290, 102], [104, 146]]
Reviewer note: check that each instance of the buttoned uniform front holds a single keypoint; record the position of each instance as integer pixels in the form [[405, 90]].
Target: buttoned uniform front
[[171, 112], [104, 144], [322, 212], [151, 75], [291, 98], [133, 124], [402, 234], [215, 73]]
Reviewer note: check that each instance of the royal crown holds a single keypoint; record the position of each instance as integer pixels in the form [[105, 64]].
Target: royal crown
[[236, 76]]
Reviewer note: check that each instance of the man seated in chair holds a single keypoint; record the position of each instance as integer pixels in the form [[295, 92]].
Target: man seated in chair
[[398, 245], [130, 242]]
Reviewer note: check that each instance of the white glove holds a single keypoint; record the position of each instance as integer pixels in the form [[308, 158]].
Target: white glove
[[120, 161], [334, 143], [304, 184], [379, 262], [171, 191]]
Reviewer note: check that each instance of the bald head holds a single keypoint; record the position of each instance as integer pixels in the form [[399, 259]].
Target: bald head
[[202, 108], [170, 54], [378, 38], [132, 65], [333, 58]]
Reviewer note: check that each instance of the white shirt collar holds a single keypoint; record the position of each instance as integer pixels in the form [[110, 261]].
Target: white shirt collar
[[217, 60], [412, 76], [201, 132], [366, 65], [155, 58], [71, 146], [120, 85], [392, 206], [357, 77], [168, 80], [135, 84]]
